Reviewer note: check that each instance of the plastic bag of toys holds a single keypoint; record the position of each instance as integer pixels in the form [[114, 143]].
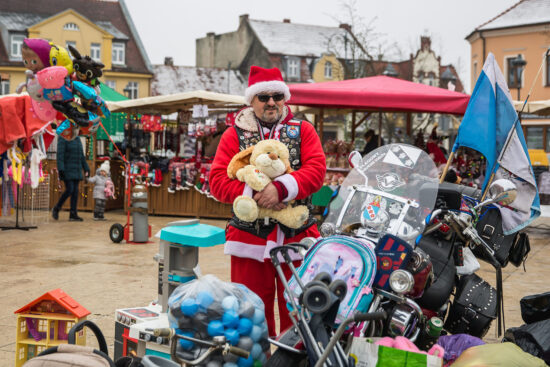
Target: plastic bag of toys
[[208, 307]]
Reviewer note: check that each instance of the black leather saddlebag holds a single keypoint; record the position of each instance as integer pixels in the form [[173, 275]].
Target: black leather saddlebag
[[440, 252], [474, 307], [489, 228]]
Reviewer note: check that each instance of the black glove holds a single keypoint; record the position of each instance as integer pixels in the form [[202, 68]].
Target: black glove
[[62, 175]]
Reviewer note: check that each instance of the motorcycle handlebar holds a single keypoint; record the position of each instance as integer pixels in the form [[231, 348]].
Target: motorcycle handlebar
[[239, 352], [371, 316]]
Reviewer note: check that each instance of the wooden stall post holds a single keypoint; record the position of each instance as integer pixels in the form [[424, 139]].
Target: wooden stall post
[[409, 124], [321, 123], [353, 117], [379, 128]]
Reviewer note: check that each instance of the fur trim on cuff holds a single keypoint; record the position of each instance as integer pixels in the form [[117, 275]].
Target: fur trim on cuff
[[291, 186], [268, 87]]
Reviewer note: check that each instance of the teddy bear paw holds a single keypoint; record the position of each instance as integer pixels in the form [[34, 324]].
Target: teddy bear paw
[[245, 208]]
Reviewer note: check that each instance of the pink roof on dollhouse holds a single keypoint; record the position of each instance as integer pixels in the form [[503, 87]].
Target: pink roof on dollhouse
[[63, 299]]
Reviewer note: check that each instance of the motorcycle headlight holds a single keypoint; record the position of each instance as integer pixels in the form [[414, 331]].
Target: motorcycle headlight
[[327, 229], [401, 281]]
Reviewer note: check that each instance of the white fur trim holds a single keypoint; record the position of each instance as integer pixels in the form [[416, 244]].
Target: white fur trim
[[246, 250], [267, 87], [258, 252], [291, 186]]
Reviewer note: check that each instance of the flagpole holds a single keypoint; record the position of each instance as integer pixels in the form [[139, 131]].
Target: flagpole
[[513, 129], [444, 173]]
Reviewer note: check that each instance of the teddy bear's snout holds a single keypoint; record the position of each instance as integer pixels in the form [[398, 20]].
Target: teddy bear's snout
[[273, 156]]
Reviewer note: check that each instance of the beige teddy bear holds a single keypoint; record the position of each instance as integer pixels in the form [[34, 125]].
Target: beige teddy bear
[[257, 166]]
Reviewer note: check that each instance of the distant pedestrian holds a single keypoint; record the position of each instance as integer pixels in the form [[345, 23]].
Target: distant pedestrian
[[70, 164], [371, 140], [100, 181]]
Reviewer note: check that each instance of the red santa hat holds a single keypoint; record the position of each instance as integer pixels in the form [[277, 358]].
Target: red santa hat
[[262, 80]]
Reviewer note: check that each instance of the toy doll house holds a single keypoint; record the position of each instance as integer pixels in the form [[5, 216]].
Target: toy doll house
[[45, 322]]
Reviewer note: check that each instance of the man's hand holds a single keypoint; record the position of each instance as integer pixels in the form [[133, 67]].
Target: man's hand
[[87, 173], [269, 198]]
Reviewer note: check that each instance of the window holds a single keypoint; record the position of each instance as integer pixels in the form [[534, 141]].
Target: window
[[70, 43], [431, 79], [475, 71], [328, 70], [110, 83], [71, 27], [16, 41], [4, 87], [131, 90], [95, 51], [118, 53], [534, 137], [548, 70], [512, 76], [293, 68]]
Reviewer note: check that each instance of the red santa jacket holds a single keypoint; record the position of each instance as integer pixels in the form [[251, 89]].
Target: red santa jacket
[[299, 184]]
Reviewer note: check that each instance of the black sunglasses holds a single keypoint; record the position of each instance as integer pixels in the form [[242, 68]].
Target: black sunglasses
[[276, 97]]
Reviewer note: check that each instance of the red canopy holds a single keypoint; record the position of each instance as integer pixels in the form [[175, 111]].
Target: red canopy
[[379, 93]]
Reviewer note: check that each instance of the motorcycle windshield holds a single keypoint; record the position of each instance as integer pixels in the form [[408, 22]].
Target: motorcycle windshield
[[392, 191]]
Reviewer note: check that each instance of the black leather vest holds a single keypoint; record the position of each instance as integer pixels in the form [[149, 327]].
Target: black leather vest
[[290, 135]]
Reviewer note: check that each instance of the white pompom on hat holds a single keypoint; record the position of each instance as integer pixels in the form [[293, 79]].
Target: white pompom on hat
[[105, 166], [261, 80]]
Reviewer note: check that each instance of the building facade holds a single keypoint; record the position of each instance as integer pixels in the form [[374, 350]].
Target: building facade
[[303, 53], [169, 79], [520, 33], [101, 29]]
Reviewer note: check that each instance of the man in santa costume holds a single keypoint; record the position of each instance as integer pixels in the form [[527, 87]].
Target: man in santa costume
[[249, 244]]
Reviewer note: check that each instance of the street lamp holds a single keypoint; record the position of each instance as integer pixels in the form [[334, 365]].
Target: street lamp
[[519, 64]]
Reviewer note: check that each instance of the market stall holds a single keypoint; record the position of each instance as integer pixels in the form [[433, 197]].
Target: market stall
[[363, 98], [179, 179], [376, 94]]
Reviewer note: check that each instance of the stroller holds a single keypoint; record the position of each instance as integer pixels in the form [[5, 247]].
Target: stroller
[[323, 292]]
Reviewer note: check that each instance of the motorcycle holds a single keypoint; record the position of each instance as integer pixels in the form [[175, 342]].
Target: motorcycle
[[382, 205], [462, 221]]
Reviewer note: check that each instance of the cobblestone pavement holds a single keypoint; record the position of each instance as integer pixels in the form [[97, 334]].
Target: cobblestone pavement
[[79, 258]]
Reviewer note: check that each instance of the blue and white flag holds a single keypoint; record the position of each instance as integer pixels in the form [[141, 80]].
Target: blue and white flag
[[489, 118]]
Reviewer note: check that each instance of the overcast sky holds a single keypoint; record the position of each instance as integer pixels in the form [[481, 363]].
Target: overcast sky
[[170, 27]]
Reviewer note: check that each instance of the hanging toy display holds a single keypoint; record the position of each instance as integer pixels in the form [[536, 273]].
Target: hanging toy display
[[53, 87], [36, 56]]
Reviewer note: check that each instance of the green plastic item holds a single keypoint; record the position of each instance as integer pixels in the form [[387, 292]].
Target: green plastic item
[[392, 357], [197, 235], [322, 197]]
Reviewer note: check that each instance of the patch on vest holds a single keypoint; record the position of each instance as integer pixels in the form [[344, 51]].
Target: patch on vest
[[292, 131]]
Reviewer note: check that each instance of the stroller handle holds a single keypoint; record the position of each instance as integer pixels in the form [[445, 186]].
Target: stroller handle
[[284, 252]]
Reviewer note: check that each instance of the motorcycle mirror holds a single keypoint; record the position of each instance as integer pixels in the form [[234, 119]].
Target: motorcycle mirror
[[503, 191], [355, 158]]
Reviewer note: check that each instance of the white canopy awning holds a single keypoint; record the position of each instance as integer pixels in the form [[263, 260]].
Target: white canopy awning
[[541, 108], [171, 103]]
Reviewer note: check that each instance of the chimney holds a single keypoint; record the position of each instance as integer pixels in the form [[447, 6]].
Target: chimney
[[345, 26], [286, 20], [243, 18], [425, 43], [169, 61], [210, 34]]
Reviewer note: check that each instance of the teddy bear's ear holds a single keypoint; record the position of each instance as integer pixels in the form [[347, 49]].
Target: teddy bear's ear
[[240, 160]]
